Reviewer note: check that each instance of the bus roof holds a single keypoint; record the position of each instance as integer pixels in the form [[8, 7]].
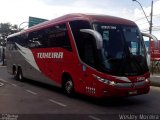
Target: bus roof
[[79, 16]]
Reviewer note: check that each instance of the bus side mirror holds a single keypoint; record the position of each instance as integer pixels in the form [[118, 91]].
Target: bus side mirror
[[152, 37], [97, 36]]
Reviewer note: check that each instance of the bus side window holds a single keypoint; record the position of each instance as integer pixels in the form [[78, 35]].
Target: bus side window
[[23, 40], [58, 37], [35, 39]]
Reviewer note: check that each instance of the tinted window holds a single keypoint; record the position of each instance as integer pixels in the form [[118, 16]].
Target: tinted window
[[12, 40], [88, 49], [36, 39], [123, 51], [134, 42], [55, 36], [58, 37], [85, 43], [76, 26]]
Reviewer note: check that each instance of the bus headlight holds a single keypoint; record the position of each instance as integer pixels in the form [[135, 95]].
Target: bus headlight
[[108, 82], [147, 80], [112, 83]]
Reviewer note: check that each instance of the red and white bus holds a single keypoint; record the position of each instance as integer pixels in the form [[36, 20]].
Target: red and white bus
[[94, 55]]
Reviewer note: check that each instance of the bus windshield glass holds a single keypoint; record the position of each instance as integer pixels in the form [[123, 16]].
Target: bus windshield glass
[[123, 50]]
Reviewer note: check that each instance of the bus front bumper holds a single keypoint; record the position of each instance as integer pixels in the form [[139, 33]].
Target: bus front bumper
[[122, 90]]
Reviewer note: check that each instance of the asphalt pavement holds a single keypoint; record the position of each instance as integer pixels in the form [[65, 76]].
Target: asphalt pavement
[[30, 100], [155, 80]]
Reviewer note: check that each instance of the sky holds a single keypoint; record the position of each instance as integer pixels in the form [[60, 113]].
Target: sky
[[18, 11]]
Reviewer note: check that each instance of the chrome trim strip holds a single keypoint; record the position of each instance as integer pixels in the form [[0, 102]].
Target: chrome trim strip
[[130, 85]]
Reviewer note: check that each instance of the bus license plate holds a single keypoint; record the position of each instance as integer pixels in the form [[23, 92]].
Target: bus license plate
[[132, 92]]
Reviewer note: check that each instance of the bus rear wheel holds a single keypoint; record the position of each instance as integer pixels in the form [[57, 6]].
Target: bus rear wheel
[[69, 87]]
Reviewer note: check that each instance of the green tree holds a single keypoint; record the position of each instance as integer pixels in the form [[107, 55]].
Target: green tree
[[5, 30]]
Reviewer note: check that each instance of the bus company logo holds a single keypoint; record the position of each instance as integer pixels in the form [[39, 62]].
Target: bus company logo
[[55, 55]]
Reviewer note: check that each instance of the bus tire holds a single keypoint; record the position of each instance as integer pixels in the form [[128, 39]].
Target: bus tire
[[15, 73], [68, 87], [20, 74]]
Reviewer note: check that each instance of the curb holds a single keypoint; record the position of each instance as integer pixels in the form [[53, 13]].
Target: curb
[[156, 80]]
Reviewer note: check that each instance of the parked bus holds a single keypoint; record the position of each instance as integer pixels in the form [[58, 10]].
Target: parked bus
[[94, 55]]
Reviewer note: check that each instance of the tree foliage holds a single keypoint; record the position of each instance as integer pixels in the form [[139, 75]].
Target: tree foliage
[[5, 30]]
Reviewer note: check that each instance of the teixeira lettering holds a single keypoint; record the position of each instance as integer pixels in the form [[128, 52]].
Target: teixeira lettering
[[55, 55]]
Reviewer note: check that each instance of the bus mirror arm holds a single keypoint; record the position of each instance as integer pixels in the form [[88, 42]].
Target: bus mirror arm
[[97, 36], [152, 37]]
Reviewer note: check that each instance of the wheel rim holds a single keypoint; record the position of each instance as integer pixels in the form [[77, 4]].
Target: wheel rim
[[69, 87]]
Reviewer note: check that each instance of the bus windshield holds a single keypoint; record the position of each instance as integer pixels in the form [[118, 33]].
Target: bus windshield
[[123, 50]]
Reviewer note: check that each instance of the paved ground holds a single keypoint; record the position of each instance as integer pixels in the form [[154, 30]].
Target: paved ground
[[155, 80], [30, 100]]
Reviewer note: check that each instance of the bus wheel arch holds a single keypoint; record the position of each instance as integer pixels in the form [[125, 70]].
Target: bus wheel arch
[[67, 84]]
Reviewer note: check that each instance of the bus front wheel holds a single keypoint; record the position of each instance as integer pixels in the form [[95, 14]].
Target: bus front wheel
[[68, 87]]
